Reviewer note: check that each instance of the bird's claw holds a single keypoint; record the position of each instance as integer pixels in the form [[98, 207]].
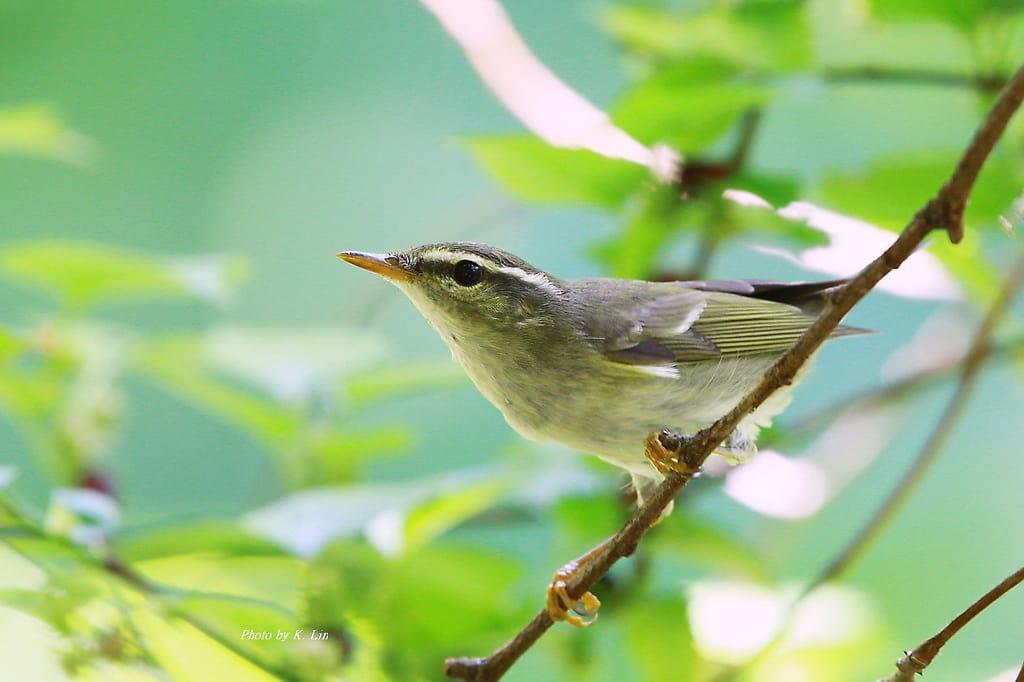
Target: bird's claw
[[663, 450], [580, 613]]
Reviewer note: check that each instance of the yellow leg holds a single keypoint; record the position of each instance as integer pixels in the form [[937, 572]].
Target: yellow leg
[[662, 450], [580, 612]]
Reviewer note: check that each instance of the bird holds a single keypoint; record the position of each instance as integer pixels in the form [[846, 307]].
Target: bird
[[601, 364]]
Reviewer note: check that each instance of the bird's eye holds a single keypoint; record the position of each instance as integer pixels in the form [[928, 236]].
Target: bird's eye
[[468, 273]]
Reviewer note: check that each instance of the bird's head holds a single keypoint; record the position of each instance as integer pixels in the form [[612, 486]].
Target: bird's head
[[464, 288]]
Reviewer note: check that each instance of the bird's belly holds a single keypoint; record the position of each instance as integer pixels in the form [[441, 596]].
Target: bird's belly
[[608, 409]]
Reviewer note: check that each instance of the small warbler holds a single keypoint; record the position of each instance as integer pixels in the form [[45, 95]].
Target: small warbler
[[599, 364]]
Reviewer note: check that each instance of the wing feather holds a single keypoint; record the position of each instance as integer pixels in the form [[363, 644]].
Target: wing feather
[[718, 319]]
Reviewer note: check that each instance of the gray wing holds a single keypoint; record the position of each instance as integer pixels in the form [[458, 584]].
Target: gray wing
[[664, 325]]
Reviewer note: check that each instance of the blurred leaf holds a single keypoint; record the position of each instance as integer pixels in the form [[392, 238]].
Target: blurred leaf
[[688, 106], [451, 594], [431, 603], [230, 617], [659, 640], [337, 456], [958, 13], [891, 191], [968, 264], [590, 518], [536, 171], [291, 364], [176, 365], [208, 537], [387, 383], [764, 222], [10, 345], [36, 130], [264, 578], [776, 190], [188, 654], [631, 252], [306, 521], [54, 557], [699, 541], [297, 369], [82, 274], [749, 33], [434, 517], [33, 602]]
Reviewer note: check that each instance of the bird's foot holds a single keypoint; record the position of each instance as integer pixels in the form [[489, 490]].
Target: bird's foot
[[738, 447], [582, 612], [667, 451]]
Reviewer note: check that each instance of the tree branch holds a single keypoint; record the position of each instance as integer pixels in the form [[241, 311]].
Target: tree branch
[[944, 211], [895, 390], [910, 664], [26, 528], [972, 364], [990, 83]]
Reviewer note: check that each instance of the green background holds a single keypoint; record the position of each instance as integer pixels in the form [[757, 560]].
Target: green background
[[283, 132]]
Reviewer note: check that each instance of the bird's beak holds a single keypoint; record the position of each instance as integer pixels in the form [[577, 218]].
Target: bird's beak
[[383, 264]]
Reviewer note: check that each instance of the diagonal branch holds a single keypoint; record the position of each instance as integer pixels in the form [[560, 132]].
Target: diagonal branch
[[944, 211], [911, 664], [972, 364], [896, 390]]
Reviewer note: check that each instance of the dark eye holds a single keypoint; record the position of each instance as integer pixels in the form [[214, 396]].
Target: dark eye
[[467, 273]]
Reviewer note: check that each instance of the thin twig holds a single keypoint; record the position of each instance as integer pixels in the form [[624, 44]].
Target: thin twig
[[944, 211], [26, 528], [971, 364], [696, 174], [910, 664], [870, 74], [887, 393]]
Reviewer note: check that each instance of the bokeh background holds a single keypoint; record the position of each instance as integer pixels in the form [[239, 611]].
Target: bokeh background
[[208, 424]]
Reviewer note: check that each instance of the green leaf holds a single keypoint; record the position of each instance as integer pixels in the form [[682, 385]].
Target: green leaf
[[631, 253], [700, 542], [177, 366], [263, 578], [308, 520], [589, 518], [536, 171], [656, 629], [749, 34], [209, 537], [689, 106], [431, 603], [893, 188], [454, 595], [230, 618], [394, 381], [291, 363], [434, 517], [960, 14], [968, 265], [82, 274], [777, 190], [10, 345], [761, 221], [337, 456], [186, 653], [33, 602], [35, 130]]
